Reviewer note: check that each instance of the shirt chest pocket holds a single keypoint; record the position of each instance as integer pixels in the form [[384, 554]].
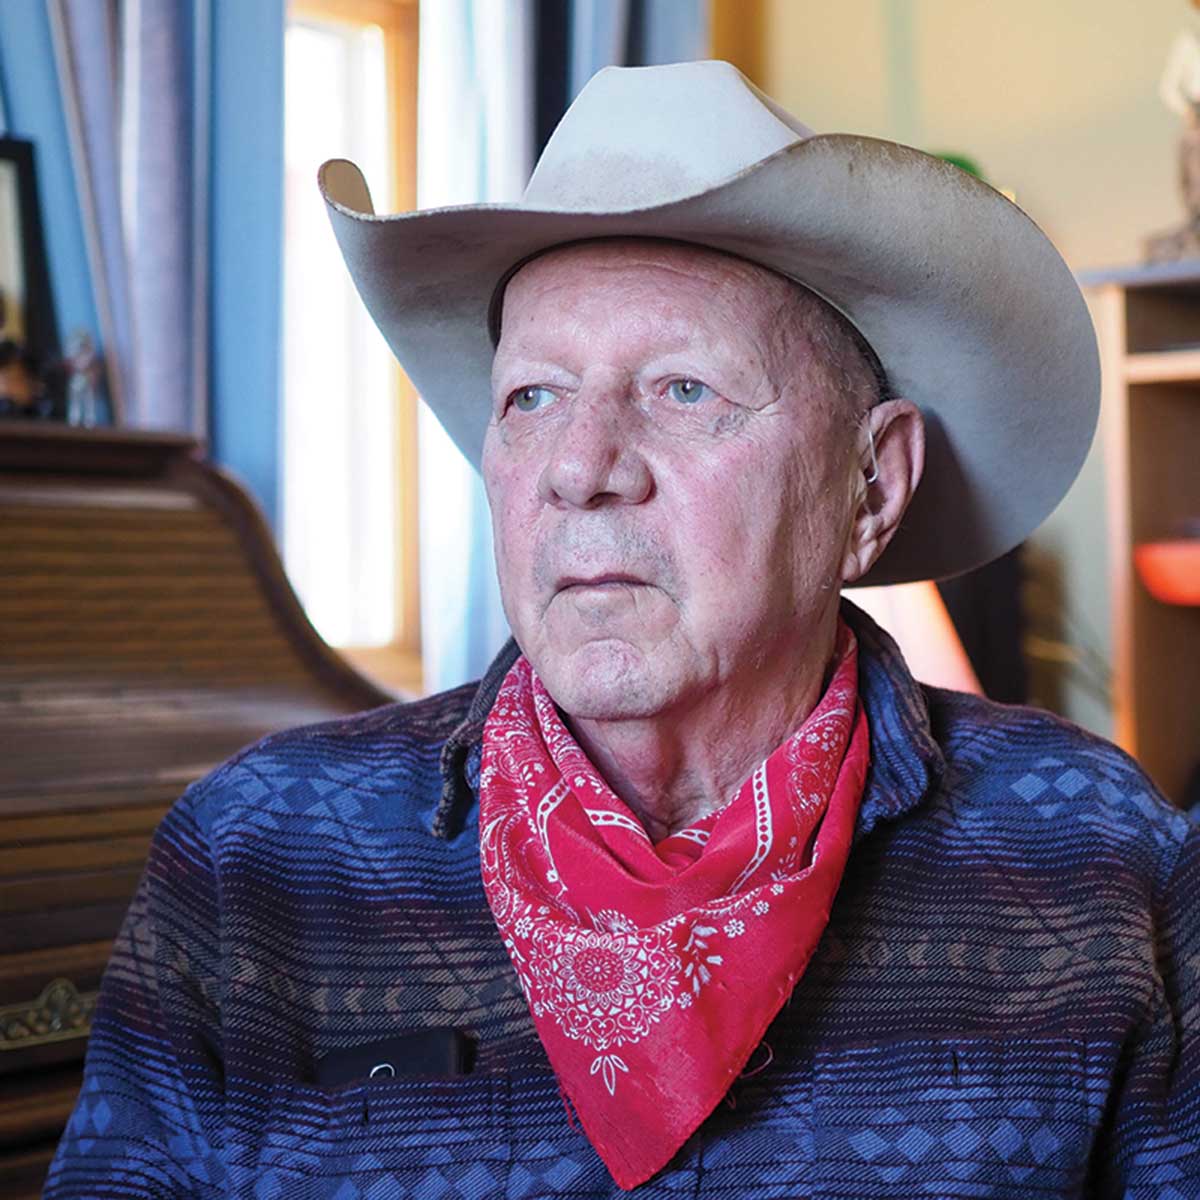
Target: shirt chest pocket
[[387, 1137], [970, 1117]]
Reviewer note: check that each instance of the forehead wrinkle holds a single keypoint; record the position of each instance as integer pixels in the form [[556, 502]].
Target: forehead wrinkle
[[688, 262], [550, 289], [566, 337]]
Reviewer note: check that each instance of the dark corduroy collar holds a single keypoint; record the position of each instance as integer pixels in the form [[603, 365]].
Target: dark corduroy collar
[[457, 791], [905, 759]]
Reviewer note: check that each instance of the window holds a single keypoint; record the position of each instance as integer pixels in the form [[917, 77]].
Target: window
[[349, 416]]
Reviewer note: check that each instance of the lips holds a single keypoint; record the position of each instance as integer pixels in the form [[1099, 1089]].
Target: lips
[[604, 579]]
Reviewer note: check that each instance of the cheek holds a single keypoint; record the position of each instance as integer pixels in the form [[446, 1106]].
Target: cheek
[[515, 533], [725, 523], [770, 513], [500, 484]]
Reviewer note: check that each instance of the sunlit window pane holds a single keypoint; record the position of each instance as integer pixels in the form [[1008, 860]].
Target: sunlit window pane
[[339, 383]]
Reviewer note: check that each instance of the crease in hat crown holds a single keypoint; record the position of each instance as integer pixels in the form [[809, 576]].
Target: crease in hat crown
[[639, 137]]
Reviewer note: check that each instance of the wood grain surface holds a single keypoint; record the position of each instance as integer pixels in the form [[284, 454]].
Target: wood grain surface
[[147, 632]]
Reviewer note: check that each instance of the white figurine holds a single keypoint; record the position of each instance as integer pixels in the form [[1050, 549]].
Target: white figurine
[[1179, 87]]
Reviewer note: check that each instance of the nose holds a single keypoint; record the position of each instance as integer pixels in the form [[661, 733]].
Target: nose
[[595, 460]]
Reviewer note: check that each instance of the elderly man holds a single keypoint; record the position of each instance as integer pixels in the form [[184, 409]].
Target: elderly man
[[698, 891]]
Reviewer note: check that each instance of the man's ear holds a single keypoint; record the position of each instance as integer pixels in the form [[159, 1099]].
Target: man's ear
[[886, 480]]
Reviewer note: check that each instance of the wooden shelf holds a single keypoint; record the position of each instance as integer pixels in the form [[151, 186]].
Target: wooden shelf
[[1151, 416]]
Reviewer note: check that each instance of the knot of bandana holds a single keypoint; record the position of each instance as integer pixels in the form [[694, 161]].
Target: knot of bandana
[[653, 971]]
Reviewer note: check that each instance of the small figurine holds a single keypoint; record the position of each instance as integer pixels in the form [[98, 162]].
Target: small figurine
[[1179, 90], [84, 375]]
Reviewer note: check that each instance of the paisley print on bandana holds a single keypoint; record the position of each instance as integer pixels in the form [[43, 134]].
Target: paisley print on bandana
[[652, 971]]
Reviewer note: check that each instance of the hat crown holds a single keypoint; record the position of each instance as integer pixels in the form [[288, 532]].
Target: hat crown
[[636, 137]]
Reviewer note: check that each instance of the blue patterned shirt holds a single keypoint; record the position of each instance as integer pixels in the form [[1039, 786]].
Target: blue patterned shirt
[[1005, 1002]]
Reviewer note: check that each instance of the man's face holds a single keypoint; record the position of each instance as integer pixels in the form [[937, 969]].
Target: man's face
[[670, 482]]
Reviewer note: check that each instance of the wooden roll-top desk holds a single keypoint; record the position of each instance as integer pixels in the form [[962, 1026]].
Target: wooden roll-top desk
[[147, 631]]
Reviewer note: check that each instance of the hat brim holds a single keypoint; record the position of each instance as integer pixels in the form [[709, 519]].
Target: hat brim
[[971, 310]]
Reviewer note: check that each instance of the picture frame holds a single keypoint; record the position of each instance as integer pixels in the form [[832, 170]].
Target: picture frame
[[27, 313]]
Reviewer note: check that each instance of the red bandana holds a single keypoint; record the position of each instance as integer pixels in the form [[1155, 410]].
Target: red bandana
[[653, 971]]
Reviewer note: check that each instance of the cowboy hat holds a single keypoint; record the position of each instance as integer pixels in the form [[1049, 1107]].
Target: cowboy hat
[[970, 309]]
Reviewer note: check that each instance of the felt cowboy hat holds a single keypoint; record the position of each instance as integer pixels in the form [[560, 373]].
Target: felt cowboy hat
[[972, 312]]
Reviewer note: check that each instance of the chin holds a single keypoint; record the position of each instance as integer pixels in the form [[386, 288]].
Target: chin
[[604, 681]]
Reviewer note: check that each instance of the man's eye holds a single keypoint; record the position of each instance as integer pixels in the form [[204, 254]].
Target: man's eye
[[529, 399], [688, 391]]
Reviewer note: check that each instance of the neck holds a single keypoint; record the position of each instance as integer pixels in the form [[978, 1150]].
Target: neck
[[675, 767]]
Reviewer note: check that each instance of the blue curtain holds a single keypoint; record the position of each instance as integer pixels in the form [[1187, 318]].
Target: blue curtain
[[633, 33], [575, 38], [129, 89], [158, 128]]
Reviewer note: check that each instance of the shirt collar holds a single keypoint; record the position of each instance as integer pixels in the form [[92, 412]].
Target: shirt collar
[[906, 761]]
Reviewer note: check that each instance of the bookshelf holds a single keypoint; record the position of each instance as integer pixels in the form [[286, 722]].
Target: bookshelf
[[1148, 321]]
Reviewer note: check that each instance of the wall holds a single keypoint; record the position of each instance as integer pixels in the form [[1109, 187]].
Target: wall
[[1058, 103]]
